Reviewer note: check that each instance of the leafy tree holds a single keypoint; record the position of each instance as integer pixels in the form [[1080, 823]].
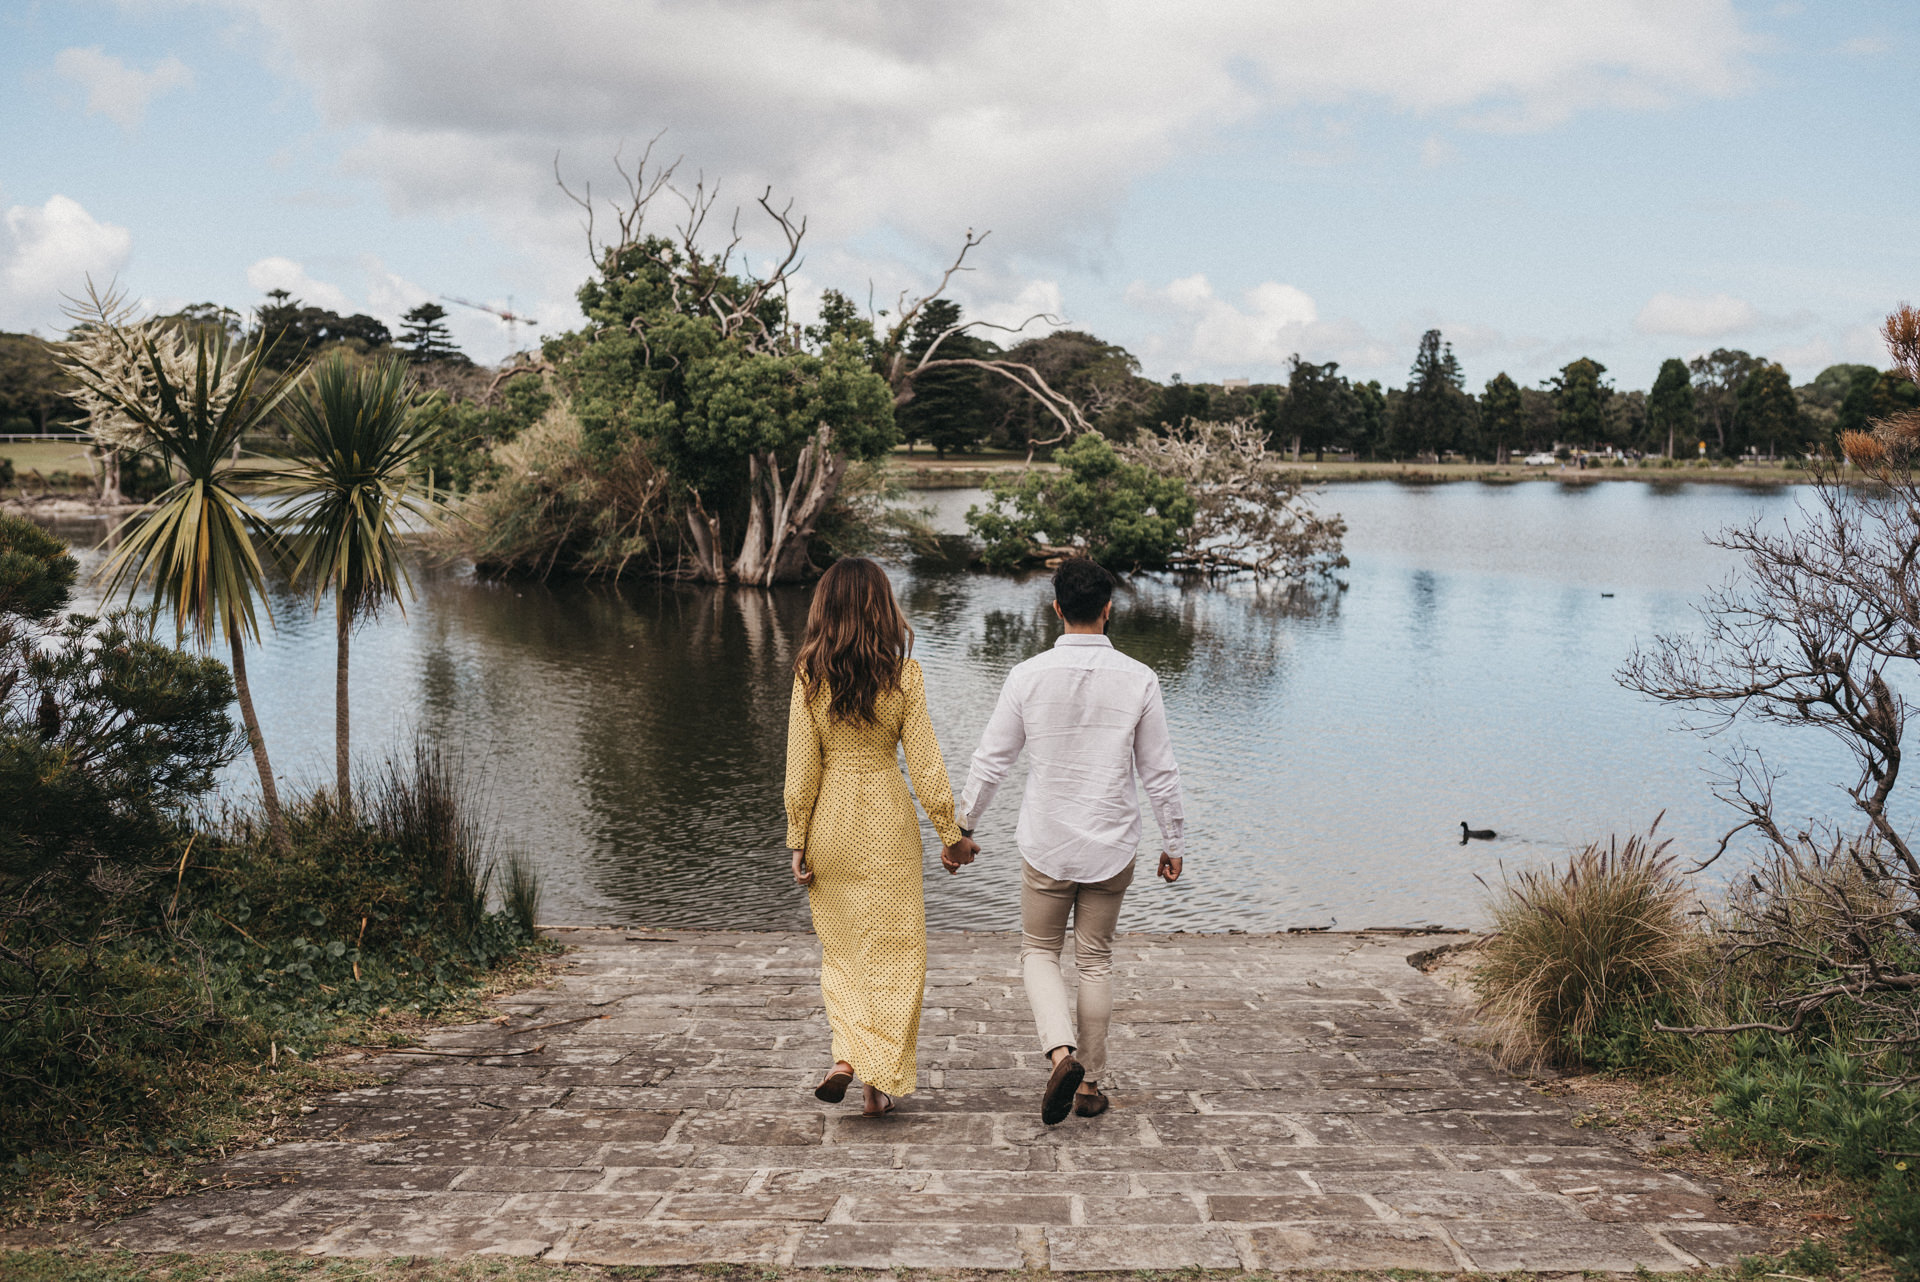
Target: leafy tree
[[1580, 401], [1102, 377], [359, 432], [1318, 406], [289, 331], [425, 338], [1627, 419], [1124, 515], [1717, 378], [460, 456], [1892, 393], [1855, 408], [1367, 431], [1500, 418], [1769, 413], [35, 395], [755, 424], [949, 407], [36, 573], [1435, 413], [1670, 404], [105, 734], [189, 402], [1539, 421]]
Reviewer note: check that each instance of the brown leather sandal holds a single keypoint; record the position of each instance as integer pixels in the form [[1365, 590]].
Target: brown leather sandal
[[891, 1103], [1090, 1103], [833, 1088]]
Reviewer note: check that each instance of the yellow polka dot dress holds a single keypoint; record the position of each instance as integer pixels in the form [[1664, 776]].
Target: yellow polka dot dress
[[848, 808]]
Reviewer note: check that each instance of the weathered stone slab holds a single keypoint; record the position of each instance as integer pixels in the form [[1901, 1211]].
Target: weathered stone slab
[[1269, 1208], [1535, 1247], [910, 1246], [1720, 1245], [658, 1242], [1104, 1248], [1347, 1246]]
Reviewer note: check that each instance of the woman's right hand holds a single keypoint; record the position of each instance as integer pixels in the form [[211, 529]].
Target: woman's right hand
[[959, 853], [801, 872]]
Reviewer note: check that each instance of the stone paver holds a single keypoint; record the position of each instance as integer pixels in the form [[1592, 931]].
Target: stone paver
[[1280, 1102]]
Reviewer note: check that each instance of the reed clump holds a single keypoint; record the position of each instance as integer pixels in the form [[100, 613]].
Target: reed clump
[[1585, 960]]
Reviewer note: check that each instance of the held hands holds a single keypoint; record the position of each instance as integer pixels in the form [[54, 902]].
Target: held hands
[[1169, 867], [959, 853]]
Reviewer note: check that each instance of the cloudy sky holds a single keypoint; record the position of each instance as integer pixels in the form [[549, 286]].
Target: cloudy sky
[[1214, 185]]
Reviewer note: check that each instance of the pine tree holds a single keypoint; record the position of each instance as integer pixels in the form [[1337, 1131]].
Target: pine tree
[[425, 338]]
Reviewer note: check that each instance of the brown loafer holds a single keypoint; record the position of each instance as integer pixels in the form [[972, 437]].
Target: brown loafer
[[1090, 1103], [1058, 1101]]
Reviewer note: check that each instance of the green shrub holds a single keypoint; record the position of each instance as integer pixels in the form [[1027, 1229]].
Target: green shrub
[[232, 950], [1124, 515], [1584, 962]]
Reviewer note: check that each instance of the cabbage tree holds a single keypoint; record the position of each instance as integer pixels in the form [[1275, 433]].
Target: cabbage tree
[[360, 430], [188, 400]]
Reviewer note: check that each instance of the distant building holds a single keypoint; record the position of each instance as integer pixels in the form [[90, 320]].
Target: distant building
[[1234, 384]]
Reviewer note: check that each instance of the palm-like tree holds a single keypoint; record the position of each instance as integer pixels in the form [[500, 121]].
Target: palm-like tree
[[359, 429], [188, 401]]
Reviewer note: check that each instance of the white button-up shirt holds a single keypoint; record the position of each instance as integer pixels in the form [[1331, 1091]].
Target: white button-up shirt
[[1089, 718]]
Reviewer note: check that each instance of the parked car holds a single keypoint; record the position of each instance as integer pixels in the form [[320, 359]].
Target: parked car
[[1539, 459]]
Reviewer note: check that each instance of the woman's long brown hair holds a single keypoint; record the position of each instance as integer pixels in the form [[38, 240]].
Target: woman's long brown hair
[[856, 639]]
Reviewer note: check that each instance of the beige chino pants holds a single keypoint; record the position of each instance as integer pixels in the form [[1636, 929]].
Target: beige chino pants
[[1045, 905]]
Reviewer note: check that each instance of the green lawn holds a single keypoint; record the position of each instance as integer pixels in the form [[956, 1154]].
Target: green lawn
[[45, 456]]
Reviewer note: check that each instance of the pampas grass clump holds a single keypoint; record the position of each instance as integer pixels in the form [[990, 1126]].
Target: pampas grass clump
[[1584, 959]]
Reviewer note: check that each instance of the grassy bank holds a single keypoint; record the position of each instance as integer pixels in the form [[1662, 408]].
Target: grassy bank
[[969, 472], [188, 1011], [1608, 971]]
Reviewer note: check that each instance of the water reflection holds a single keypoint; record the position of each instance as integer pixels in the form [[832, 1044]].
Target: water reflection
[[1330, 742]]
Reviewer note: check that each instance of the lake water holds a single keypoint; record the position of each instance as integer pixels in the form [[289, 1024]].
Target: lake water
[[633, 738]]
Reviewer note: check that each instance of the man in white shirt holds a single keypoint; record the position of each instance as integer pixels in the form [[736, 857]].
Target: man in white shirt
[[1089, 718]]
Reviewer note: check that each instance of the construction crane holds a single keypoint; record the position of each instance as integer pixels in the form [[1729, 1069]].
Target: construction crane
[[507, 315]]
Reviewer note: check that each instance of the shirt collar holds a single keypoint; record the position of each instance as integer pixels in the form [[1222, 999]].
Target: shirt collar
[[1082, 638]]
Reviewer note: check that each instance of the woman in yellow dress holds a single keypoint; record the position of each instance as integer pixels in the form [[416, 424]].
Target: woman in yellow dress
[[857, 698]]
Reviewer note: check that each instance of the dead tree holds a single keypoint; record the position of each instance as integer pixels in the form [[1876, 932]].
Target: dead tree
[[902, 369], [1820, 631]]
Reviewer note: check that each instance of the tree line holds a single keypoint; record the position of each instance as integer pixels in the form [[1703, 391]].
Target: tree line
[[38, 396], [1725, 404]]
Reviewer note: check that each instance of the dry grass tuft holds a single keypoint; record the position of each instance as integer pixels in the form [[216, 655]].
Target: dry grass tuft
[[1584, 957]]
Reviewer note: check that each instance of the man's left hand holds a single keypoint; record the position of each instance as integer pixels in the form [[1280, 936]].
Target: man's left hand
[[960, 853]]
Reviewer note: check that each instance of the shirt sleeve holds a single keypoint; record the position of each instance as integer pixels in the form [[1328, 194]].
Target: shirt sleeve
[[1159, 776], [925, 766], [1000, 745], [803, 767]]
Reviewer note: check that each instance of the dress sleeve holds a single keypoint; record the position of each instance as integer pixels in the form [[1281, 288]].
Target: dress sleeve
[[803, 767], [925, 766]]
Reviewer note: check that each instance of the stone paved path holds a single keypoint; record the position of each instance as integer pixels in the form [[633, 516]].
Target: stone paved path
[[1280, 1103]]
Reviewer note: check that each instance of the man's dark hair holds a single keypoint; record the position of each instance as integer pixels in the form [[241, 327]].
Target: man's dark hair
[[1082, 588]]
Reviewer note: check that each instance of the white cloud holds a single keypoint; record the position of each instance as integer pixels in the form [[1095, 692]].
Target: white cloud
[[1203, 335], [115, 90], [48, 251], [1712, 317], [283, 273], [925, 117]]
